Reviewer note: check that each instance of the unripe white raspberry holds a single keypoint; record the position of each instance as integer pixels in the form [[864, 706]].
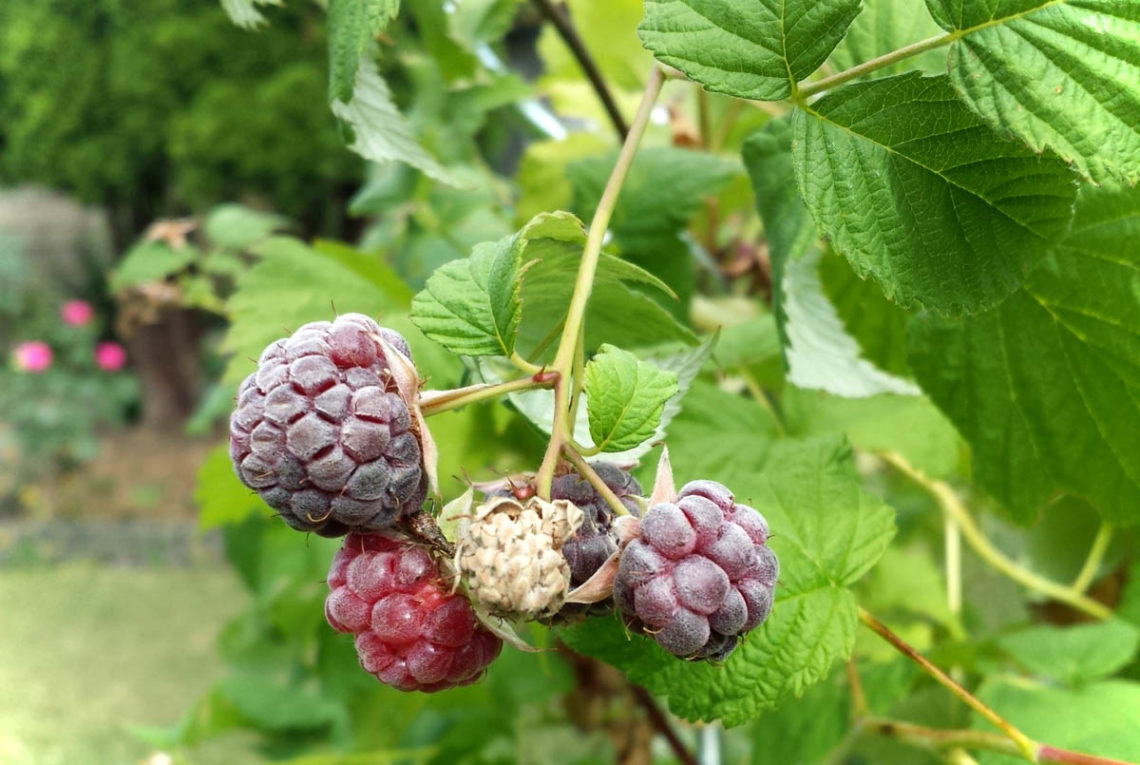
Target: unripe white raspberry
[[510, 555]]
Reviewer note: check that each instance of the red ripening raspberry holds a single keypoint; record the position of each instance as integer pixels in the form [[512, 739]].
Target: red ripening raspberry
[[321, 433], [700, 575], [411, 632]]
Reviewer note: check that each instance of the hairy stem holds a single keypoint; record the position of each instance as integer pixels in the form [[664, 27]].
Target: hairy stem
[[435, 402], [1025, 746], [948, 500], [1092, 562], [583, 284], [661, 724], [569, 35], [595, 480], [879, 62]]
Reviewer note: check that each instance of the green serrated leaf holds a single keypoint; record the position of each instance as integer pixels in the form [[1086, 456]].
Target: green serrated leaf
[[917, 192], [883, 26], [748, 50], [473, 306], [625, 397], [1100, 719], [827, 532], [352, 25], [380, 133], [1074, 655], [292, 283], [1061, 74], [1076, 428]]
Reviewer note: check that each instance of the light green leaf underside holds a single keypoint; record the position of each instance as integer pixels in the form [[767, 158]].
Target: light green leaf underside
[[916, 191], [1100, 719], [1074, 655], [380, 132], [352, 25], [1061, 74], [244, 13], [625, 398], [827, 533], [757, 49], [1077, 428], [883, 26]]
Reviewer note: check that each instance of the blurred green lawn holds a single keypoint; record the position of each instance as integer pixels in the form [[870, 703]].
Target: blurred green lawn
[[87, 651]]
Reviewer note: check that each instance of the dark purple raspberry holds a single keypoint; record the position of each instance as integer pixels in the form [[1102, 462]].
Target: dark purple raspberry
[[700, 575], [321, 433], [593, 543], [411, 632]]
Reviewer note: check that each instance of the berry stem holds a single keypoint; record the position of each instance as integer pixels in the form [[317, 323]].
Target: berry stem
[[595, 480], [1024, 744], [1092, 562], [435, 402], [952, 506], [572, 330]]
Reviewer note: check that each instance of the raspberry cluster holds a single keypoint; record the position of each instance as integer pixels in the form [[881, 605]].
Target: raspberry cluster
[[700, 575], [411, 632], [321, 433]]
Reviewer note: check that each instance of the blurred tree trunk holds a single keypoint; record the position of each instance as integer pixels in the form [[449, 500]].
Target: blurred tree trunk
[[165, 353]]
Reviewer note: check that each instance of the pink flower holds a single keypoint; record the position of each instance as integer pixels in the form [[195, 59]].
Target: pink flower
[[33, 356], [110, 357], [77, 313]]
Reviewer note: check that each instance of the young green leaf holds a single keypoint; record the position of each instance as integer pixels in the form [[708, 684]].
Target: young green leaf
[[352, 25], [380, 132], [625, 398], [151, 262], [916, 191], [827, 533], [472, 306], [749, 50], [1061, 74], [1076, 427], [1075, 655]]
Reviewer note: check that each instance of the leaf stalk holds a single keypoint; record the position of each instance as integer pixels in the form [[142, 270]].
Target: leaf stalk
[[944, 494]]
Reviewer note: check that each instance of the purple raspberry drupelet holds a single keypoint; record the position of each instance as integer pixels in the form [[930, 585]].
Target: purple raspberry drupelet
[[700, 575], [593, 543], [321, 433], [411, 631]]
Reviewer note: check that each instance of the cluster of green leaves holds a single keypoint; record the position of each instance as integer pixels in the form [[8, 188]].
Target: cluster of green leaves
[[944, 275]]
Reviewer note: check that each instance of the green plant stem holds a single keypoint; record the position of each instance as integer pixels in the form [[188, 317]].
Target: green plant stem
[[595, 480], [584, 282], [936, 740], [953, 554], [859, 708], [444, 401], [1025, 745], [948, 500], [1092, 562], [930, 43]]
